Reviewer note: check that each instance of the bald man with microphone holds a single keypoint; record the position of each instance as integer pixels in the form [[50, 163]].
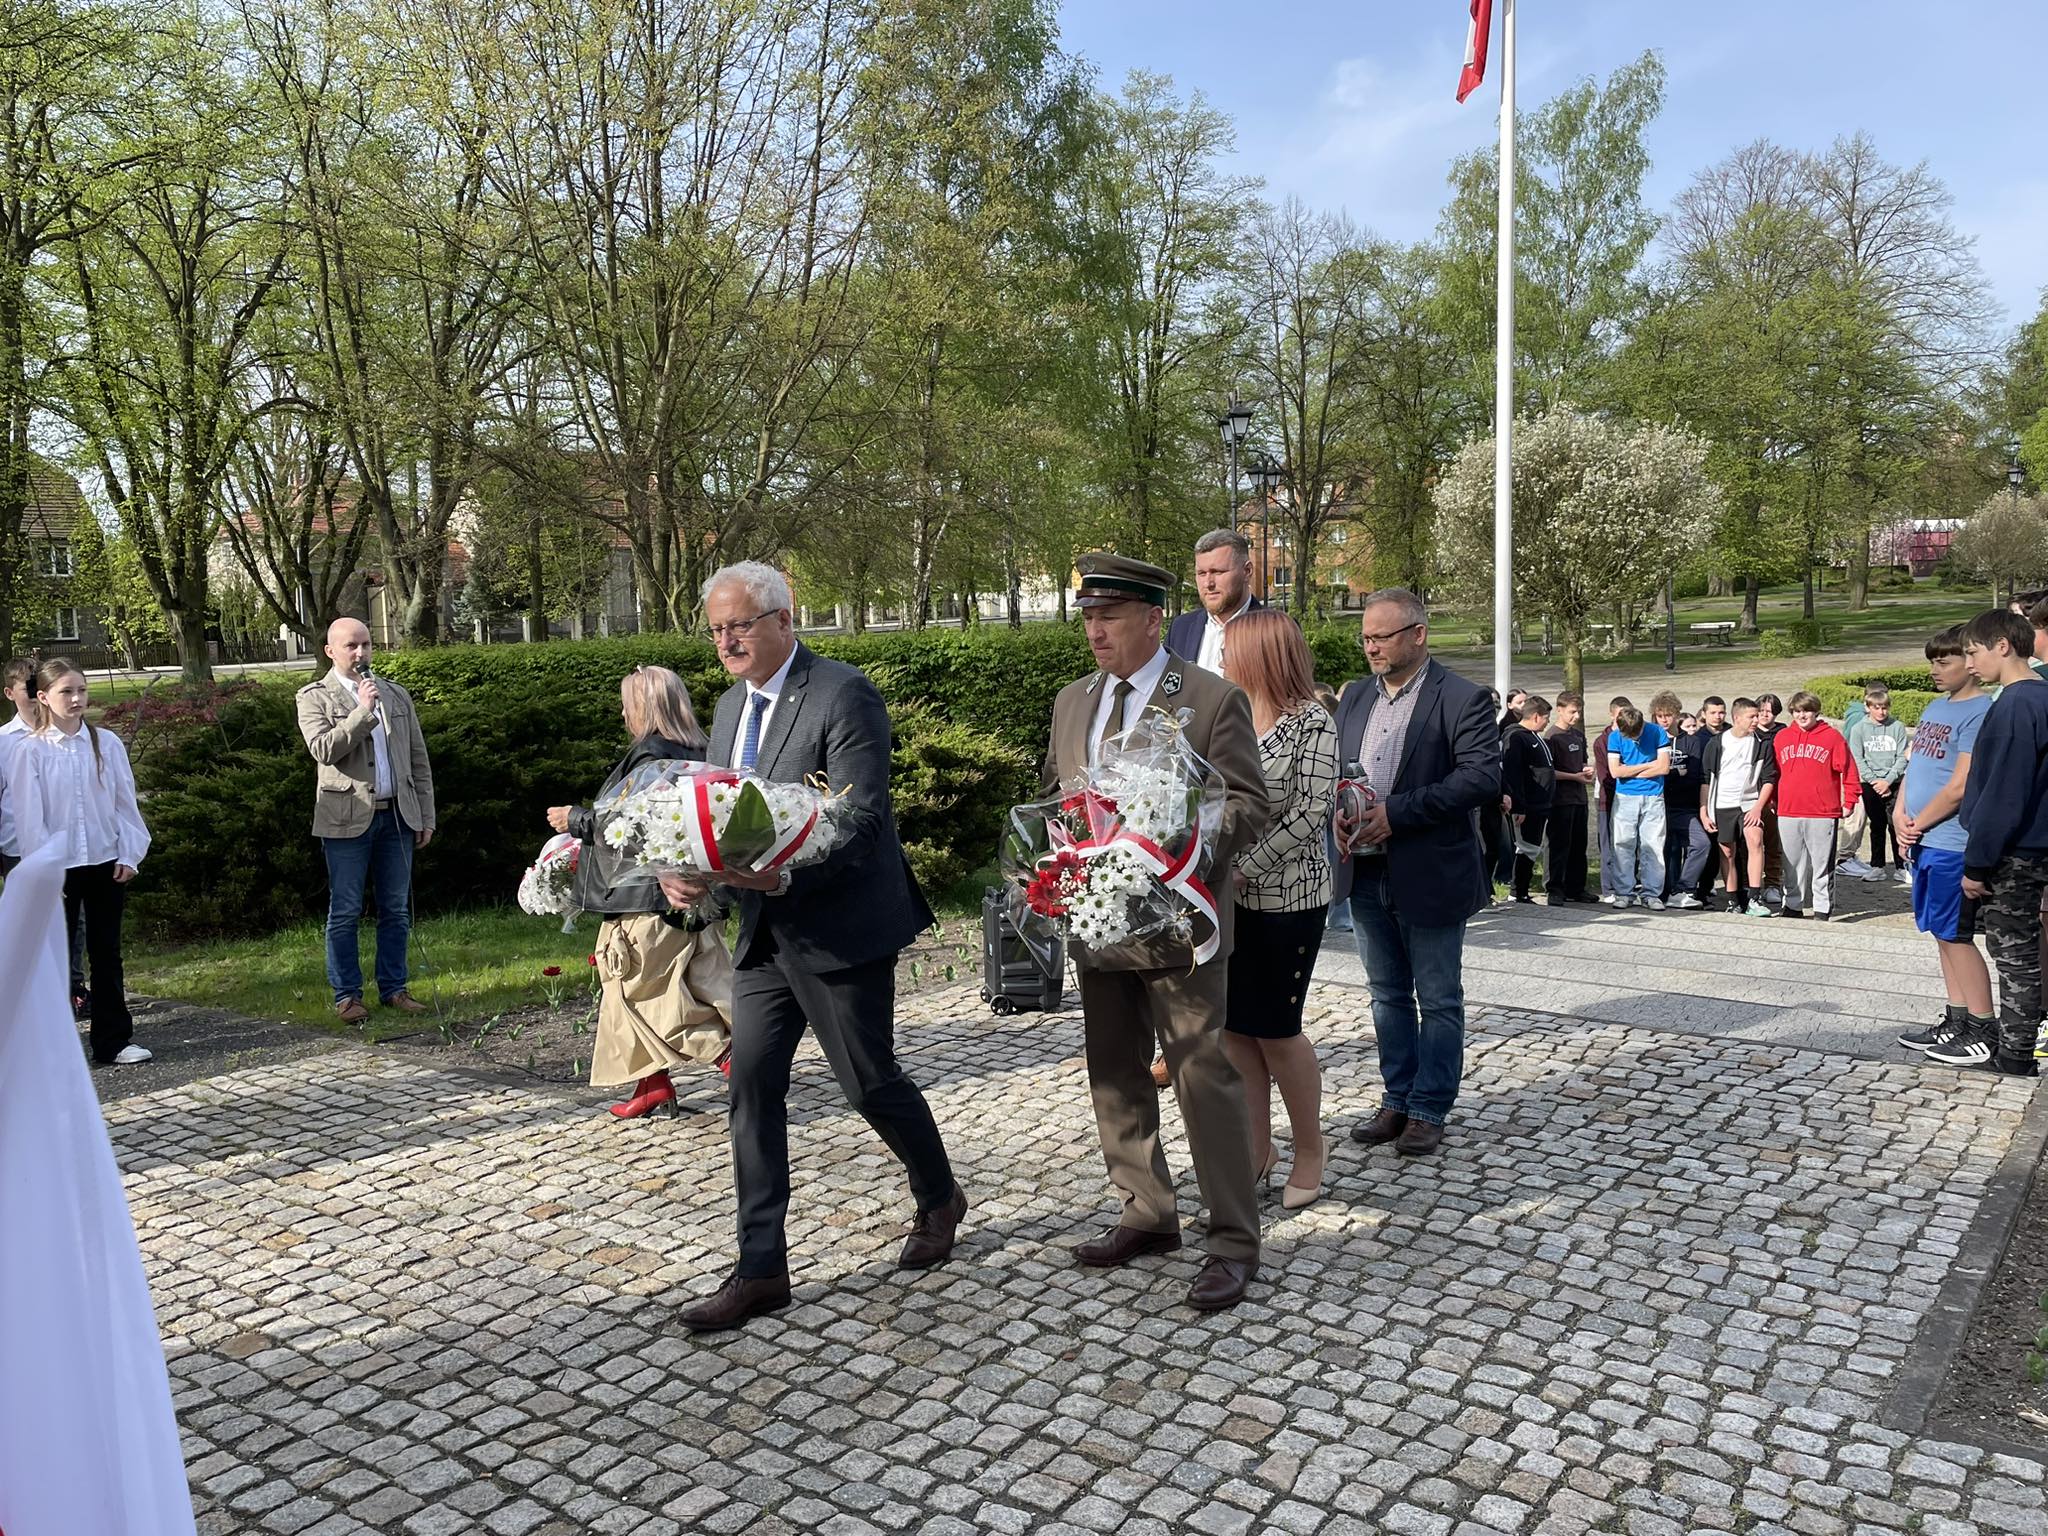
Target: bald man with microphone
[[374, 806]]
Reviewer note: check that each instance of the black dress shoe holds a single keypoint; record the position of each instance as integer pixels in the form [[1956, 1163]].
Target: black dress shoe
[[741, 1297], [1381, 1128], [1419, 1139], [1221, 1284], [1119, 1245], [931, 1235]]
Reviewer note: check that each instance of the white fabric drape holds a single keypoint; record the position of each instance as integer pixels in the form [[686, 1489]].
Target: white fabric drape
[[88, 1443]]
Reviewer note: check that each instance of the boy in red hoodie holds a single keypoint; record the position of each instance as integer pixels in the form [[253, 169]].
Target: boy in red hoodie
[[1817, 785]]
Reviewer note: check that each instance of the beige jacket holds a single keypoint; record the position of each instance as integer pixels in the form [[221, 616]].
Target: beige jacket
[[338, 731]]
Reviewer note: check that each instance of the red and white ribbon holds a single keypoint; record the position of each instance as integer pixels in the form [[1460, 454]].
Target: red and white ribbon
[[1177, 874], [702, 838]]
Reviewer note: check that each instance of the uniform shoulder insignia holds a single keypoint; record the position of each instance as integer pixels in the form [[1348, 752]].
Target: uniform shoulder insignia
[[1170, 684]]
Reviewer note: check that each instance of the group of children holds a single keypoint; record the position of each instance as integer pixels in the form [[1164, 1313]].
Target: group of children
[[66, 781], [1770, 809]]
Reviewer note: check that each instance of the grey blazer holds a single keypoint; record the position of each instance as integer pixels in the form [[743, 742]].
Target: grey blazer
[[861, 903]]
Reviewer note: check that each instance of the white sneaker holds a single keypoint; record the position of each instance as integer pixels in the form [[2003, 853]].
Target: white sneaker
[[1903, 875], [132, 1056], [1655, 904], [1774, 896], [1609, 899], [1685, 901], [1856, 869]]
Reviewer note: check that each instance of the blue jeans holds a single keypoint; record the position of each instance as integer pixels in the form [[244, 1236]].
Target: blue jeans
[[1639, 846], [380, 858], [1416, 976]]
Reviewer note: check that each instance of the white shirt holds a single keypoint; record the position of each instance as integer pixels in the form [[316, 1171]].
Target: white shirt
[[1736, 786], [11, 735], [772, 691], [68, 796], [380, 742], [1210, 657], [1143, 682]]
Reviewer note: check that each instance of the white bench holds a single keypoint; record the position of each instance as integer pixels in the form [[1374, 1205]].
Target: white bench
[[1721, 633]]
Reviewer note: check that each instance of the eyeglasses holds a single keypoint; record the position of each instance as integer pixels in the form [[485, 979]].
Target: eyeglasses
[[739, 629], [1366, 640]]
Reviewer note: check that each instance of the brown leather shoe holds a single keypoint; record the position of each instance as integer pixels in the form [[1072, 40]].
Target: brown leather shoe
[[1119, 1245], [1419, 1139], [931, 1235], [741, 1297], [1221, 1284], [405, 1002], [350, 1010], [1161, 1078], [1381, 1128]]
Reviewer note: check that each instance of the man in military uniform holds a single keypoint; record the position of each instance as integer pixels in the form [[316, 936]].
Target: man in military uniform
[[1147, 989]]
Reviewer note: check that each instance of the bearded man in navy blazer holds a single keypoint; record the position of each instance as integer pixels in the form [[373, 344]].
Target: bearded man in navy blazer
[[817, 946], [1415, 871], [1223, 578]]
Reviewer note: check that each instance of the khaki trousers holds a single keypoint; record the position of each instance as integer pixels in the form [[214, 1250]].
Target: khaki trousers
[[1123, 1013]]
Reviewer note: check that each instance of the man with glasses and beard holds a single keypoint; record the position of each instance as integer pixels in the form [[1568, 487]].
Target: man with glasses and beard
[[1413, 868]]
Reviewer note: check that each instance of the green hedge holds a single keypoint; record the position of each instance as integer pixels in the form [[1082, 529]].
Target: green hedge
[[990, 678], [1908, 686], [230, 806]]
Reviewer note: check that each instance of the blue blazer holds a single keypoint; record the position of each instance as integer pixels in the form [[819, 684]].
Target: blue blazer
[[1450, 769], [1184, 634]]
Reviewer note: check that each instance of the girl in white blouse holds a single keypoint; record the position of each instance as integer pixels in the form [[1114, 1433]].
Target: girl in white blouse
[[74, 787]]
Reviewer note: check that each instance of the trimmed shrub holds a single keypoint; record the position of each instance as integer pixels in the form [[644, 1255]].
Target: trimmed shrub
[[1908, 686], [952, 787]]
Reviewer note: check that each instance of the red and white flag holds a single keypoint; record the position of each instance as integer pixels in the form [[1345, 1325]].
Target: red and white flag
[[1475, 48]]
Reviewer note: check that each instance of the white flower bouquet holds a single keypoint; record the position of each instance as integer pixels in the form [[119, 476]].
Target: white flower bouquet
[[548, 888], [692, 819], [1120, 854]]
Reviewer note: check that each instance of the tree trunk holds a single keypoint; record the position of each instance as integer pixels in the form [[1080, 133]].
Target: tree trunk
[[188, 627], [1574, 660], [1859, 574], [1752, 586], [536, 588], [1806, 592]]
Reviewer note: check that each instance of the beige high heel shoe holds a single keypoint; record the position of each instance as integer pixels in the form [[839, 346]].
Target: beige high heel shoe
[[1295, 1198], [1271, 1165]]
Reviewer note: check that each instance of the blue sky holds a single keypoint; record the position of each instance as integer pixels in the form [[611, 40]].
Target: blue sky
[[1350, 105]]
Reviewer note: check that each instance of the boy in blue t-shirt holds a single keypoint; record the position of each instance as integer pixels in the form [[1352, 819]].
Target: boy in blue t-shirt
[[1639, 757], [1928, 827]]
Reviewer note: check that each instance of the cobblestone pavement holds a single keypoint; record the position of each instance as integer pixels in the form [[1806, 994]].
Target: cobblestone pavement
[[1655, 1283]]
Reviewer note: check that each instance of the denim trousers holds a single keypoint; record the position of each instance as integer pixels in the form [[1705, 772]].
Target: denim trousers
[[381, 860], [1416, 976], [1639, 846]]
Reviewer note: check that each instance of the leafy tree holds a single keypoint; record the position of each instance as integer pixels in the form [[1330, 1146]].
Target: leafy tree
[[1581, 228], [107, 575], [1604, 510], [2005, 542]]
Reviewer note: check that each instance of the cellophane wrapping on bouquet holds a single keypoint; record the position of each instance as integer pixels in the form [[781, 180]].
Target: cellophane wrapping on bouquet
[[689, 818], [1122, 853], [548, 888]]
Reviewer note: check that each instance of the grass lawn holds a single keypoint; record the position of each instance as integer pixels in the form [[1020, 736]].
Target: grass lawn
[[469, 965], [1893, 618]]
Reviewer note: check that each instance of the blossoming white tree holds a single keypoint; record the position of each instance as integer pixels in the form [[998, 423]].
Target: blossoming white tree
[[1604, 509]]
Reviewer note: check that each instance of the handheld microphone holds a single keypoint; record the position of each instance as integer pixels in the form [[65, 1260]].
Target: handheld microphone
[[363, 675]]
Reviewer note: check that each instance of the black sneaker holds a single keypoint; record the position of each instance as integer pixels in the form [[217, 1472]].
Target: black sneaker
[[1938, 1033], [1973, 1046], [2016, 1066], [1790, 912]]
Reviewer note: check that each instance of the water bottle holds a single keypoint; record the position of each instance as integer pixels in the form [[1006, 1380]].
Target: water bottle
[[1355, 795]]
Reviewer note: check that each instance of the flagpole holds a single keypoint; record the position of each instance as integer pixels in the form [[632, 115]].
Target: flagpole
[[1504, 370]]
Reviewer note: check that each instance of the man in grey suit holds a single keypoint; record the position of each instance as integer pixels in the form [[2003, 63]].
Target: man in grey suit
[[817, 946]]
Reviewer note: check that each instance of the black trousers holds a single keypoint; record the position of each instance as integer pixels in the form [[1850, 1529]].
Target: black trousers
[[1565, 873], [1877, 809], [92, 896], [854, 1014], [1531, 831]]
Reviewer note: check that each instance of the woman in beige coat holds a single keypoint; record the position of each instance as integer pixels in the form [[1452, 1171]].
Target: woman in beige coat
[[666, 976]]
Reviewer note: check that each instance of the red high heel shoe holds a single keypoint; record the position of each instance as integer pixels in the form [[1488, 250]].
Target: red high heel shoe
[[649, 1094]]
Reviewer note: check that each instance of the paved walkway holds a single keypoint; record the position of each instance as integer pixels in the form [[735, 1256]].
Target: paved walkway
[[1661, 1280]]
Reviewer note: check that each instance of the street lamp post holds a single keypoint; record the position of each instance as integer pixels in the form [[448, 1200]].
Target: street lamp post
[[1234, 423], [1266, 476]]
